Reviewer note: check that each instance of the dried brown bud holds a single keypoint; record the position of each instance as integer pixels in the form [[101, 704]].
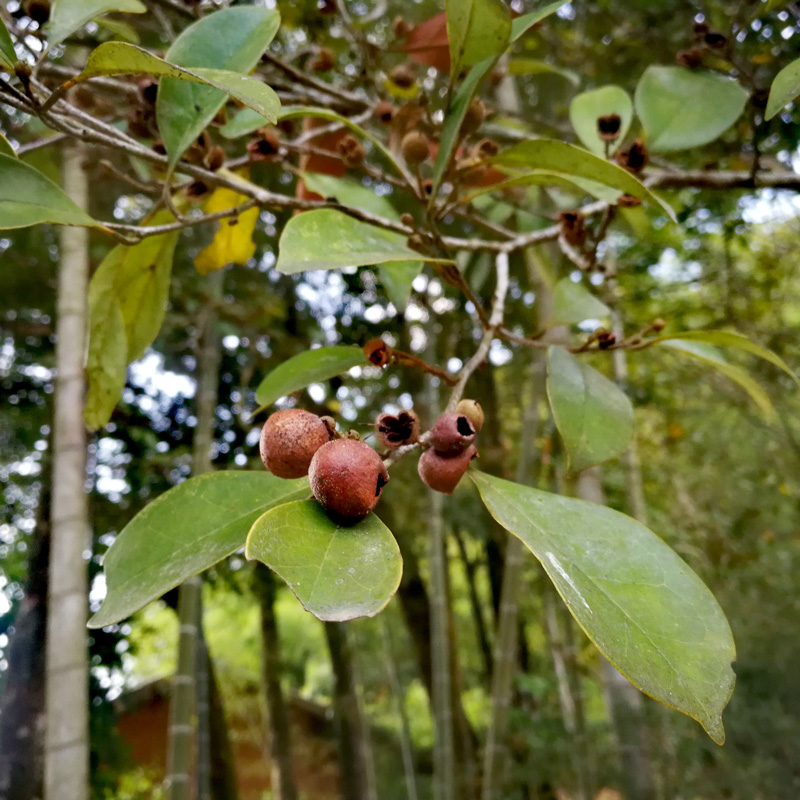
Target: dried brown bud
[[415, 148], [658, 325], [417, 243], [351, 150], [486, 148], [264, 146], [691, 58], [395, 430], [608, 127], [403, 77], [715, 40], [427, 186], [324, 60], [378, 352], [197, 190], [408, 220], [472, 410], [451, 434], [474, 117], [289, 441], [215, 158], [605, 339], [572, 226], [384, 112], [442, 473], [635, 158]]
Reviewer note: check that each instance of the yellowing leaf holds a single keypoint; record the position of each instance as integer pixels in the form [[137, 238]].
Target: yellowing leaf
[[233, 242]]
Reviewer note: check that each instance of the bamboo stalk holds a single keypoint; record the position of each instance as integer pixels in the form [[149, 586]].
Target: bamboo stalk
[[67, 679]]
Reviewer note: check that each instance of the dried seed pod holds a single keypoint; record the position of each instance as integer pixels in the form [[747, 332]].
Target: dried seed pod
[[573, 227], [378, 352], [395, 430], [351, 150], [347, 478], [385, 112], [215, 158], [691, 58], [451, 434], [148, 91], [403, 77], [635, 158], [442, 473], [608, 127], [715, 40], [415, 148], [486, 148], [472, 410], [658, 324], [474, 117], [197, 190], [264, 146], [289, 441]]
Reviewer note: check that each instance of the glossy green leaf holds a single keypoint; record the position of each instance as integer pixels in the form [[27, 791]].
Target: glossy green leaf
[[476, 30], [588, 106], [736, 340], [329, 239], [310, 366], [593, 416], [525, 22], [67, 16], [542, 177], [119, 58], [551, 155], [29, 198], [5, 147], [8, 55], [396, 278], [785, 88], [572, 303], [709, 354], [643, 607], [232, 39], [242, 123], [337, 572], [184, 531], [535, 66], [682, 108]]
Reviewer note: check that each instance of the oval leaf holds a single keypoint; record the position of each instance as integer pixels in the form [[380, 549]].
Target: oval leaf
[[588, 106], [337, 572], [29, 198], [329, 239], [232, 39], [554, 156], [682, 108], [183, 532], [119, 58], [69, 15], [572, 304], [306, 368], [476, 30], [593, 416], [643, 607], [785, 88]]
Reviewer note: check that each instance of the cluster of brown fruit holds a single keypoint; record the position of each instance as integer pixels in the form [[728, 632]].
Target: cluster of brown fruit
[[346, 475]]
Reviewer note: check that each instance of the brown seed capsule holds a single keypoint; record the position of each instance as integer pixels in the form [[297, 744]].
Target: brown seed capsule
[[197, 190], [573, 227], [691, 58], [605, 339], [148, 91], [415, 148], [265, 146], [395, 430], [715, 40], [486, 148], [635, 158], [347, 478], [442, 473], [384, 112], [214, 158], [324, 60], [658, 324], [141, 122], [38, 10], [472, 410], [451, 434], [378, 352], [608, 127], [474, 117], [351, 150], [289, 440], [403, 77]]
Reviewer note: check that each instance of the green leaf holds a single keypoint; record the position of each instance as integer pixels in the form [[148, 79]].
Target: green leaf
[[593, 416], [476, 30], [5, 147], [643, 607], [67, 16], [588, 106], [337, 572], [572, 304], [311, 366], [329, 239], [535, 66], [242, 123], [184, 531], [8, 55], [541, 177], [29, 198], [549, 154], [710, 355], [682, 108], [737, 340], [785, 87], [119, 58], [232, 39], [523, 24], [398, 280]]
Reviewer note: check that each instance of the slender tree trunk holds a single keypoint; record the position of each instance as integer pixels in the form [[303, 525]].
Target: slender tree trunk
[[626, 707], [67, 681], [181, 753], [223, 764], [278, 731], [22, 703], [351, 729], [203, 702]]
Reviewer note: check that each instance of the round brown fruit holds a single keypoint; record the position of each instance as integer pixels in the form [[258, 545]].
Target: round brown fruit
[[289, 440], [442, 473], [451, 434]]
